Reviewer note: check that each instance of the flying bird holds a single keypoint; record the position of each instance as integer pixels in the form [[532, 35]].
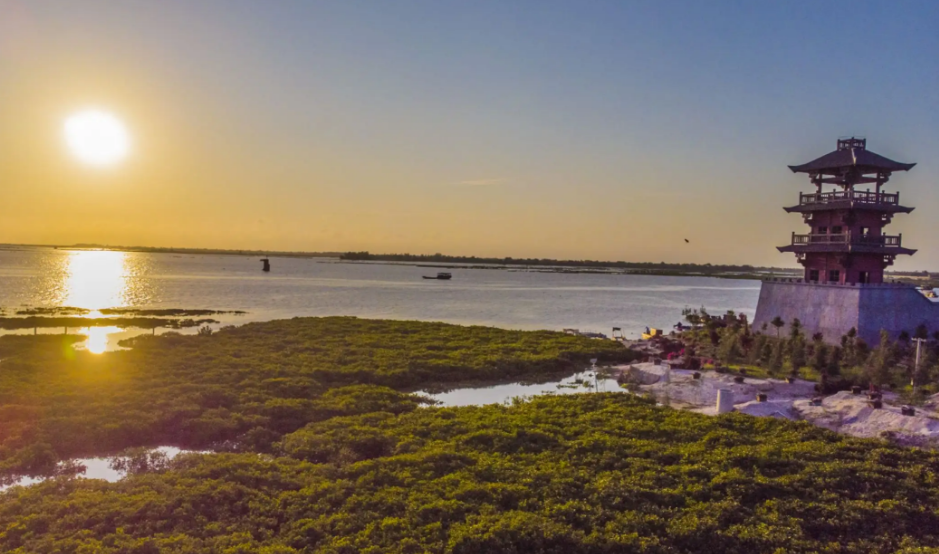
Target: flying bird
[[686, 240]]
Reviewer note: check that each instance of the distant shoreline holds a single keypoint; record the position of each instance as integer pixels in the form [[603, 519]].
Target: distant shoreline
[[538, 265], [464, 262], [171, 250]]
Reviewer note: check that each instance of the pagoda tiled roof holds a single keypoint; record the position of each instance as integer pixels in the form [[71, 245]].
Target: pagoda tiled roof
[[843, 158]]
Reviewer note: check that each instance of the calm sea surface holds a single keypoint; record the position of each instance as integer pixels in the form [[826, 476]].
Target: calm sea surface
[[318, 287]]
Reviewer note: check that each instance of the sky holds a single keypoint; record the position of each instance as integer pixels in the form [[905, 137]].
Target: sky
[[577, 130]]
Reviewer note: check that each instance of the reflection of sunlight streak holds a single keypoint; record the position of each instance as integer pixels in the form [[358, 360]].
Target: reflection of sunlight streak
[[96, 279], [98, 338]]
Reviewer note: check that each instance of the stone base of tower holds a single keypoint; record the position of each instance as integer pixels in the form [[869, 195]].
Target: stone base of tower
[[834, 309]]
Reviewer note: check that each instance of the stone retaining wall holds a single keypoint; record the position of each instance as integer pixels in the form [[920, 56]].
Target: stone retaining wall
[[834, 309]]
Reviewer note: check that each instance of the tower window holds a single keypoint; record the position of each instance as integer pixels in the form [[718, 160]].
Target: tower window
[[836, 230], [813, 275], [834, 276], [822, 230]]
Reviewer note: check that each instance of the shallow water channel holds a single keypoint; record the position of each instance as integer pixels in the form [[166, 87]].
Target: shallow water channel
[[504, 393], [96, 468]]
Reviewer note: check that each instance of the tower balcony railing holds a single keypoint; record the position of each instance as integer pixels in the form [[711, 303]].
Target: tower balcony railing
[[889, 241], [850, 195]]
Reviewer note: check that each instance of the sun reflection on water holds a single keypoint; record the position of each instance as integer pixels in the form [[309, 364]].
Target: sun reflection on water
[[96, 279], [97, 342]]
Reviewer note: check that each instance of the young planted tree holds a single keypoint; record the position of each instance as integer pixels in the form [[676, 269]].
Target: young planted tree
[[834, 361], [776, 358], [777, 322], [797, 353], [796, 346], [767, 353], [881, 361], [692, 316], [795, 328], [820, 355], [849, 350], [928, 370], [755, 353], [729, 348]]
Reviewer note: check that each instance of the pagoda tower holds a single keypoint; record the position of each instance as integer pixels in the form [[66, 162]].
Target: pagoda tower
[[845, 253], [846, 243]]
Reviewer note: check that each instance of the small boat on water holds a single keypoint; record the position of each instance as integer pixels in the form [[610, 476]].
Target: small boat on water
[[267, 264], [442, 276]]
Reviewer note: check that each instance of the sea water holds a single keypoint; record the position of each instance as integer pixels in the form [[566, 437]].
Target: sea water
[[509, 298]]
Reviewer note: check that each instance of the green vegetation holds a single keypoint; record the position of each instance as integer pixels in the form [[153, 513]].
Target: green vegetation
[[727, 340], [320, 449], [66, 317], [591, 473], [243, 388]]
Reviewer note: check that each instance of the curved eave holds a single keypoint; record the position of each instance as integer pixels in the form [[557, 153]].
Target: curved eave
[[836, 162], [831, 206], [838, 169], [844, 249]]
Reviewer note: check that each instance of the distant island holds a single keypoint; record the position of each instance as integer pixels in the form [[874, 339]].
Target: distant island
[[723, 271], [444, 258]]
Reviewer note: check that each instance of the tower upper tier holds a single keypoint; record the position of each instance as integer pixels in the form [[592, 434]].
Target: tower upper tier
[[851, 164]]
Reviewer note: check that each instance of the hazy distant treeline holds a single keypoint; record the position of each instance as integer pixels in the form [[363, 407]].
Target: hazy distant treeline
[[232, 252], [443, 258]]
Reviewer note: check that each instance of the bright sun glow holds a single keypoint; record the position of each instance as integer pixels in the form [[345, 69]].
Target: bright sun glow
[[96, 137]]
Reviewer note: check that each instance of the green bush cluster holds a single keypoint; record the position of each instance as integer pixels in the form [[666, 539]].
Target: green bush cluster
[[730, 340], [588, 473], [243, 388]]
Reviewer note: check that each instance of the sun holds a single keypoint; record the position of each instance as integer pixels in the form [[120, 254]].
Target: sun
[[97, 137]]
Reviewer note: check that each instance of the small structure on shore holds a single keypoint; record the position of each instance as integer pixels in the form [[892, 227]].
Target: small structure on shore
[[846, 252], [267, 264]]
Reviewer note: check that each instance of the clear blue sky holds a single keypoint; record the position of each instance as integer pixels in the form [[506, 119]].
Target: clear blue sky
[[564, 129]]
